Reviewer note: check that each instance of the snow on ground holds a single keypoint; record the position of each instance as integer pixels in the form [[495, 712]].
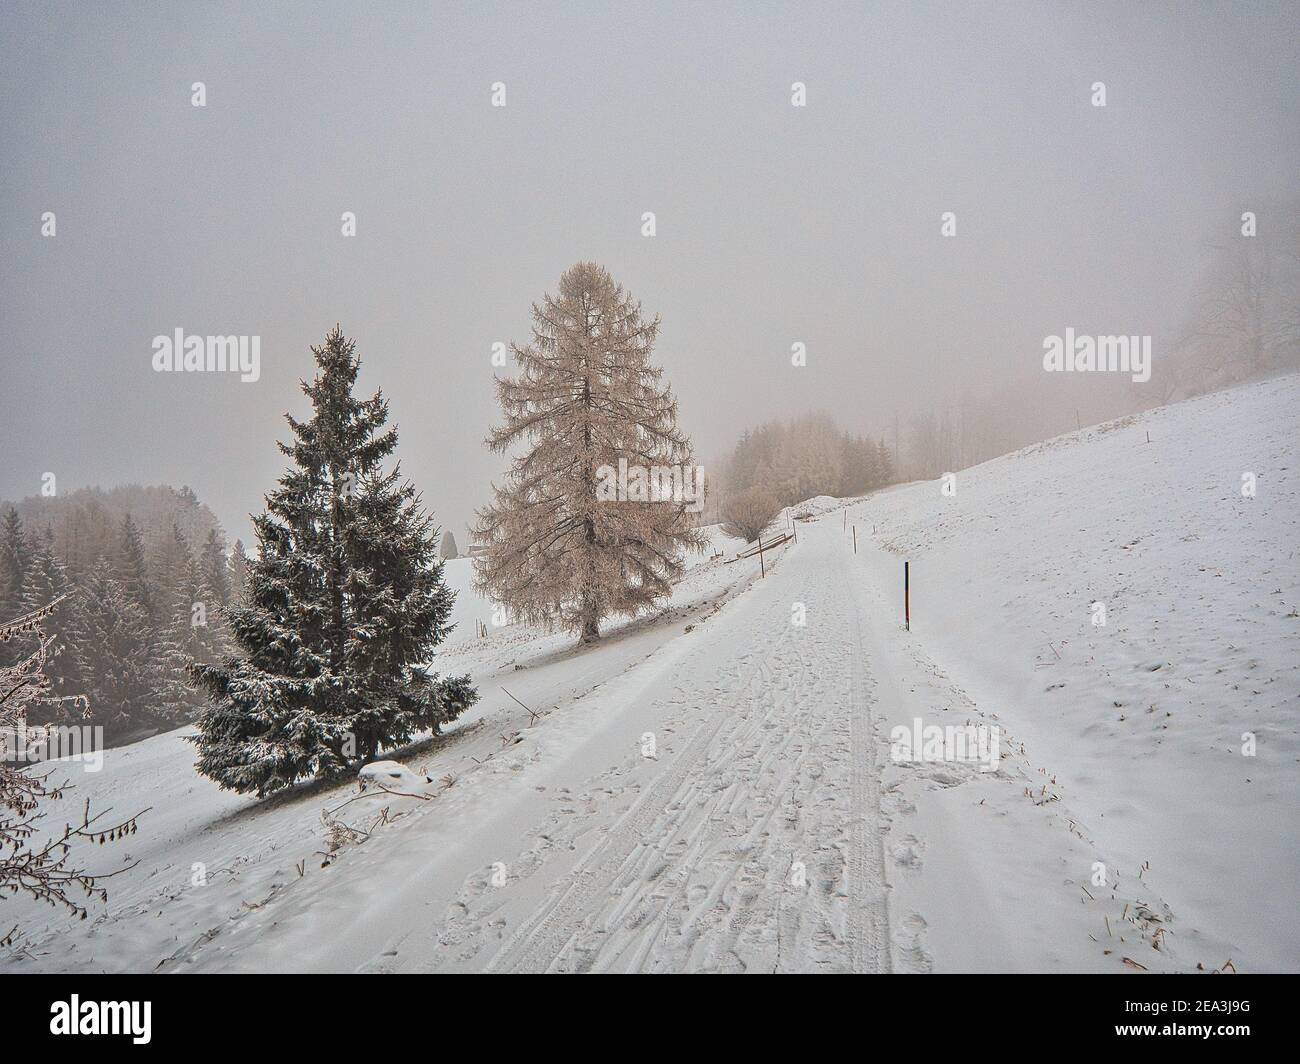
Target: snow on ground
[[1135, 727], [714, 789], [208, 858]]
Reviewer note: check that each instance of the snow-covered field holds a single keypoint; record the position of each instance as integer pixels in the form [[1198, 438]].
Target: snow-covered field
[[1135, 727], [713, 789]]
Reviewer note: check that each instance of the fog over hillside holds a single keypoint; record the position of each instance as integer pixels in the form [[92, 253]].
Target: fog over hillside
[[775, 224], [628, 486]]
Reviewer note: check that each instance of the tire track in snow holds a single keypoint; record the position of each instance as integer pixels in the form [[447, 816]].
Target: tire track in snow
[[869, 899], [629, 894], [751, 742], [543, 939]]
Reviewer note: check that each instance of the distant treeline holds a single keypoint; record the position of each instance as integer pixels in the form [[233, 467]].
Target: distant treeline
[[148, 575], [780, 463], [808, 456]]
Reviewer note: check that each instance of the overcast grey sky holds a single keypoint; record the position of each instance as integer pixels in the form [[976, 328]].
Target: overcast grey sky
[[775, 224]]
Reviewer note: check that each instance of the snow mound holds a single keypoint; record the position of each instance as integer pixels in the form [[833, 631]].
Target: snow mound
[[817, 505], [391, 776]]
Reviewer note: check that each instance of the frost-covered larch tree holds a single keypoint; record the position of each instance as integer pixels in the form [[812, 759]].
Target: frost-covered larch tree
[[558, 549], [344, 604]]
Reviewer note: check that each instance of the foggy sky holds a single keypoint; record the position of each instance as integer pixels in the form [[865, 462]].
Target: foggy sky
[[775, 224]]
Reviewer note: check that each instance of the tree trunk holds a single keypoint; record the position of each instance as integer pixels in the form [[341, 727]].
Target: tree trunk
[[590, 615]]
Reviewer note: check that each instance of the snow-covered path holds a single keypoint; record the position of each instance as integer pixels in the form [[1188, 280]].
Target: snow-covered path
[[748, 837], [754, 841]]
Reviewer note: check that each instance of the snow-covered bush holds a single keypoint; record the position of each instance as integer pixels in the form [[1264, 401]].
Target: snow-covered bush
[[391, 776]]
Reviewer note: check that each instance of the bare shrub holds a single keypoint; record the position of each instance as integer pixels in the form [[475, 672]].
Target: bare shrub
[[747, 514]]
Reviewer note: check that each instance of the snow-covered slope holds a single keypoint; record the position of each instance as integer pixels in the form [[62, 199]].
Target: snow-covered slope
[[1139, 722], [715, 789]]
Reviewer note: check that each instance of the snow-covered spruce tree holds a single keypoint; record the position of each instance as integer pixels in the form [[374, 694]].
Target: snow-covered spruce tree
[[216, 569], [47, 582], [237, 570], [15, 559], [556, 552], [448, 548], [194, 628], [119, 662], [197, 632], [173, 562], [15, 556], [344, 603], [885, 464], [130, 570]]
